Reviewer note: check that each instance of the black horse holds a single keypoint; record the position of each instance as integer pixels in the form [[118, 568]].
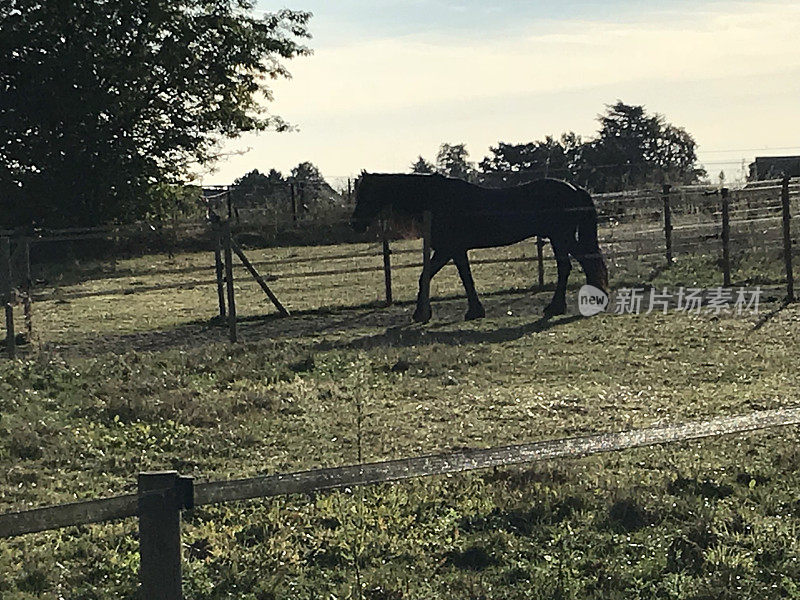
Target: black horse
[[467, 216]]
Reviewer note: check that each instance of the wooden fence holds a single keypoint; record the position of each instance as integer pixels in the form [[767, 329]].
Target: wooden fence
[[163, 495]]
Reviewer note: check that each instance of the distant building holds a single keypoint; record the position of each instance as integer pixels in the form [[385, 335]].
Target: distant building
[[774, 167]]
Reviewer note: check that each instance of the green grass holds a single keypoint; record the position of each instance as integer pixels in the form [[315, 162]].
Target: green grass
[[118, 384]]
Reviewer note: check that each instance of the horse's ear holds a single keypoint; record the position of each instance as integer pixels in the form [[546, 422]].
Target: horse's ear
[[363, 172]]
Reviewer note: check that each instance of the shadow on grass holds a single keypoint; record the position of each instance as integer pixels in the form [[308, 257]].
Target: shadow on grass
[[767, 317], [415, 335], [334, 327]]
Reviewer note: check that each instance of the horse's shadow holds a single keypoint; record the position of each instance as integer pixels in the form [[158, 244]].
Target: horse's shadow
[[416, 335]]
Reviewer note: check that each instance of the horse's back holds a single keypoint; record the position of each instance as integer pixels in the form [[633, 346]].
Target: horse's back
[[487, 217]]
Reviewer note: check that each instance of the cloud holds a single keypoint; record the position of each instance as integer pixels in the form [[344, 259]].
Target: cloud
[[396, 73], [729, 74]]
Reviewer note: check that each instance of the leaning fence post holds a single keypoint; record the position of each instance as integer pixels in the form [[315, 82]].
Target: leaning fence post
[[540, 260], [162, 495], [5, 295], [726, 238], [219, 269], [425, 284], [387, 264], [260, 280], [787, 240], [226, 242], [667, 221]]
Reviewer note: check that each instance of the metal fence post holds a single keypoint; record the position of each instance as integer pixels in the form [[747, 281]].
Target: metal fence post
[[726, 238], [5, 295], [162, 495], [667, 221], [787, 239], [27, 283], [387, 264], [293, 196]]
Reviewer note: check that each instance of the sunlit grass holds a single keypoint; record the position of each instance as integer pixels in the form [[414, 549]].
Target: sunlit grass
[[116, 384]]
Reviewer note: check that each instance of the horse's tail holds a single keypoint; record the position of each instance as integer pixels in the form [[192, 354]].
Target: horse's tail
[[588, 244]]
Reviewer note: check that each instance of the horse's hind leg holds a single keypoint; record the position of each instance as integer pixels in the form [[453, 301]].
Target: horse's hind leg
[[475, 310], [558, 305], [423, 312]]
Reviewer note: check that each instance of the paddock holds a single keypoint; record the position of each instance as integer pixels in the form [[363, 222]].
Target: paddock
[[132, 370], [692, 236]]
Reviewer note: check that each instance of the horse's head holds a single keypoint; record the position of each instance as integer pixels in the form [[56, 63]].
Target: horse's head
[[369, 203]]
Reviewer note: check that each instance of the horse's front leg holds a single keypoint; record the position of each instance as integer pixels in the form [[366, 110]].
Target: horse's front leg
[[423, 312], [475, 310], [558, 305]]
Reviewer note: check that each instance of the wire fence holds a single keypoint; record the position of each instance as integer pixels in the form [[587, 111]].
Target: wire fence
[[635, 228]]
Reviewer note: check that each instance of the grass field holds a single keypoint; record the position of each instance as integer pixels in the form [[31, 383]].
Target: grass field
[[120, 383]]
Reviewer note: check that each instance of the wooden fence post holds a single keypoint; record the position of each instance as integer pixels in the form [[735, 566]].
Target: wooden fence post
[[540, 260], [219, 269], [294, 202], [162, 495], [27, 302], [425, 284], [667, 221], [387, 264], [5, 295], [726, 238], [226, 242], [787, 240]]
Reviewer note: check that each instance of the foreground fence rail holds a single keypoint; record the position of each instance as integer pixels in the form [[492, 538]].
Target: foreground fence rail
[[162, 496]]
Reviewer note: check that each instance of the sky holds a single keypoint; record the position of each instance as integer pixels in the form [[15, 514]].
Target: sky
[[390, 80]]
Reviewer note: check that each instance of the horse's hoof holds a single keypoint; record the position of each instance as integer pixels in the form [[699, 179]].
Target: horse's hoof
[[476, 313], [553, 310], [422, 315]]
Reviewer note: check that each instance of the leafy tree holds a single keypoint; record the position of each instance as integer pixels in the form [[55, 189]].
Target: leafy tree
[[422, 167], [103, 101], [257, 188], [513, 164], [310, 186], [451, 161], [634, 148], [307, 175], [275, 181]]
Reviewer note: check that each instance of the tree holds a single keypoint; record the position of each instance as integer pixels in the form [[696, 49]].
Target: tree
[[422, 166], [310, 186], [451, 161], [103, 102], [513, 164], [255, 187], [306, 174], [634, 148]]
